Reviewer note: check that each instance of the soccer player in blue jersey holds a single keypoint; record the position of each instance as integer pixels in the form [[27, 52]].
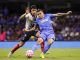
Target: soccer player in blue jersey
[[46, 29]]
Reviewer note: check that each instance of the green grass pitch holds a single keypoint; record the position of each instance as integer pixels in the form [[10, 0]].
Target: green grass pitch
[[54, 54]]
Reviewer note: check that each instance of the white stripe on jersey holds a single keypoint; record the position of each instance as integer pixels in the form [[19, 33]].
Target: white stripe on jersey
[[29, 18]]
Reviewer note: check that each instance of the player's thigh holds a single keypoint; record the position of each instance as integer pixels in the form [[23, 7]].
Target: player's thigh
[[42, 38], [51, 38], [21, 43], [25, 37]]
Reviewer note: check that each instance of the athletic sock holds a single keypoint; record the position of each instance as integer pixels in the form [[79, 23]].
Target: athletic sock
[[42, 46], [47, 47]]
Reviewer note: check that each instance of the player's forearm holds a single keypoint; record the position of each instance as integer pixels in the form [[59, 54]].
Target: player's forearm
[[63, 14], [25, 29]]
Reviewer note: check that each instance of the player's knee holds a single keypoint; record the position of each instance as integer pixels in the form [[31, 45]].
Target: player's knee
[[21, 44], [38, 34], [50, 41], [40, 40]]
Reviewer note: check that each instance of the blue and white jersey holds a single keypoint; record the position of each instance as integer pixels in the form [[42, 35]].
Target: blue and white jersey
[[45, 24]]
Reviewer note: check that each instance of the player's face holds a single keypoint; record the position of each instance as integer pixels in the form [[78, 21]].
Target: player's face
[[40, 14], [33, 11]]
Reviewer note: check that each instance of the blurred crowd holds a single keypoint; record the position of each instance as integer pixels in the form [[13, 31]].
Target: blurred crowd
[[9, 29], [68, 27]]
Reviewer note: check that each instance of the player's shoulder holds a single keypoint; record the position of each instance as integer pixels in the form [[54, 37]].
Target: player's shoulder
[[49, 14], [27, 15]]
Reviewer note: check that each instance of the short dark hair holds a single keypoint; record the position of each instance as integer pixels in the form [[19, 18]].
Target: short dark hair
[[39, 10], [33, 7]]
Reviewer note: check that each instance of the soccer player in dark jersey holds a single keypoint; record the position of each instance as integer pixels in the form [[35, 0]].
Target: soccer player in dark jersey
[[29, 31]]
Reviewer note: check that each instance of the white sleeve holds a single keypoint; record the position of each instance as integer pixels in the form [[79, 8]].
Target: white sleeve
[[29, 16]]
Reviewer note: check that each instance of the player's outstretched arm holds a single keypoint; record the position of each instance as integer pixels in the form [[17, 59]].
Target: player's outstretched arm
[[62, 14]]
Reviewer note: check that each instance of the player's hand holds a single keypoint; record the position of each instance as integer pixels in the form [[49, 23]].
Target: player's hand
[[69, 12]]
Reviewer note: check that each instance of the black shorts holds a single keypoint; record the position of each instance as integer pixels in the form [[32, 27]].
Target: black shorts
[[26, 36]]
